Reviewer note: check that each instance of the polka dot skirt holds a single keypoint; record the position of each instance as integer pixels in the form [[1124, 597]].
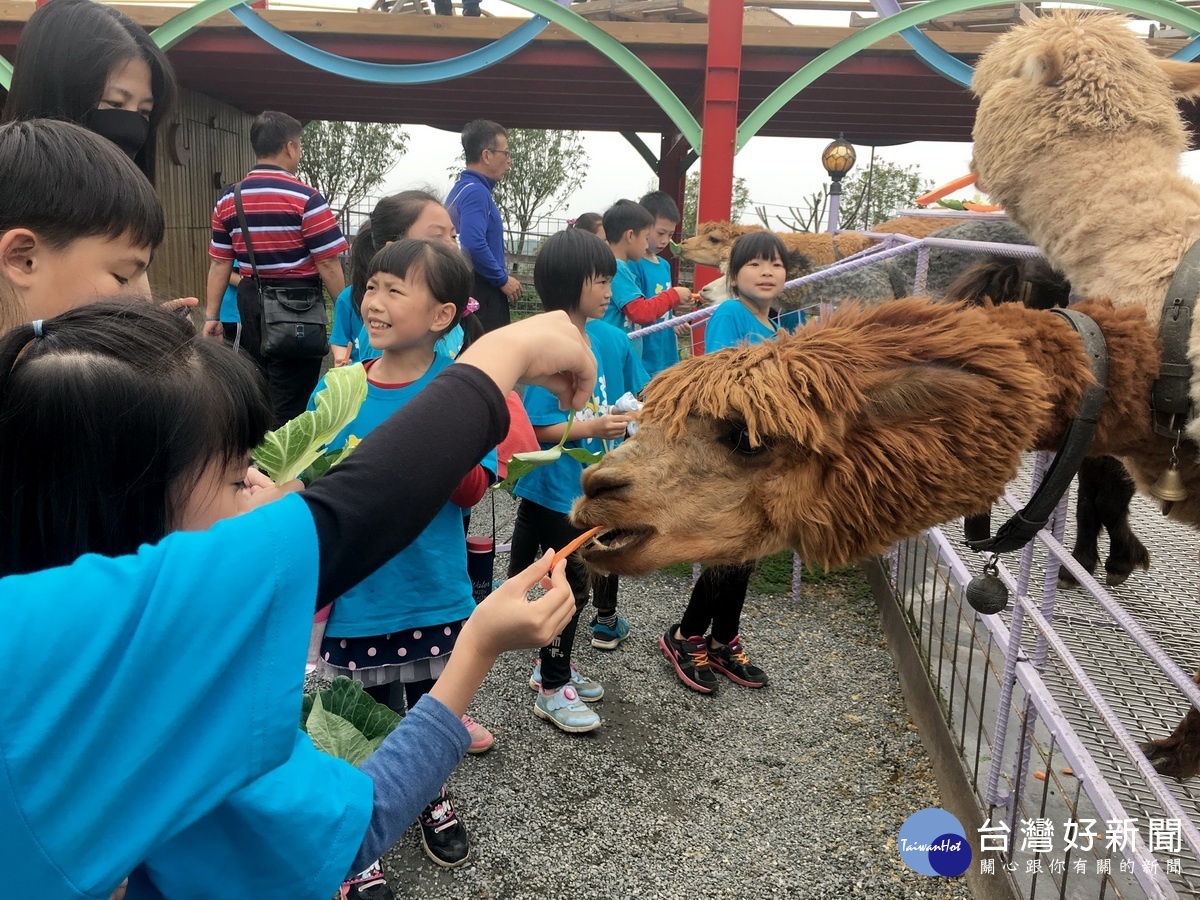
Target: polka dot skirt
[[418, 654]]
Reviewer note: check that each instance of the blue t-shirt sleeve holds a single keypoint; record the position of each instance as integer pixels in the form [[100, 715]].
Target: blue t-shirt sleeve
[[291, 833], [542, 407], [729, 326], [625, 285], [177, 675], [634, 371], [344, 326]]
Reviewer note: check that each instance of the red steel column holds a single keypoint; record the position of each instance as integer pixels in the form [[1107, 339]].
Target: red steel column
[[720, 119]]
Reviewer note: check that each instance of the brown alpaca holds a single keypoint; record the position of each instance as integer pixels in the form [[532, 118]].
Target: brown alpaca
[[862, 430], [1078, 137], [711, 244]]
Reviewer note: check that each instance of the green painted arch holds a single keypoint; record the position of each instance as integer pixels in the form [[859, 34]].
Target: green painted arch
[[174, 30], [1163, 10]]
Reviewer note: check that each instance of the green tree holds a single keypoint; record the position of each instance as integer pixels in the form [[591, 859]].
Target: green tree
[[547, 167], [691, 198], [345, 161], [869, 197]]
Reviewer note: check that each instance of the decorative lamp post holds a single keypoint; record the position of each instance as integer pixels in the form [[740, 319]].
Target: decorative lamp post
[[838, 158]]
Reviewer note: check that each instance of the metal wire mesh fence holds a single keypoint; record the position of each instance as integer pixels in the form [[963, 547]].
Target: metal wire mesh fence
[[1045, 704]]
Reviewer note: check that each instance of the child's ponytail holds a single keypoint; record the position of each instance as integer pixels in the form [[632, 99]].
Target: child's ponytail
[[361, 252]]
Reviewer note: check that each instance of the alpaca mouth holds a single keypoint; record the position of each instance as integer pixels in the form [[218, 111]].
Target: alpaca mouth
[[615, 542]]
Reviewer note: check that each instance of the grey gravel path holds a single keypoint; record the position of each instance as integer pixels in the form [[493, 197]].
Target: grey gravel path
[[794, 791]]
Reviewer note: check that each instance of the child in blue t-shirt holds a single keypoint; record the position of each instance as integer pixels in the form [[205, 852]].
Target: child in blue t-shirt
[[627, 228], [757, 274], [221, 787], [660, 350], [574, 272], [395, 630], [408, 214]]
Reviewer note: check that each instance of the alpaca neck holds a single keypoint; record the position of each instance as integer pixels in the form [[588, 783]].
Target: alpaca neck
[[1056, 350]]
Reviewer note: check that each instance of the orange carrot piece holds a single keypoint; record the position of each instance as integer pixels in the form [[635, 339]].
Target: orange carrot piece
[[1068, 771], [575, 545], [981, 207], [1039, 775], [948, 188]]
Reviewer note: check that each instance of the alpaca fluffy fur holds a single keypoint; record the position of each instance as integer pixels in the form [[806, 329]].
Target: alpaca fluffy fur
[[864, 429], [1078, 137], [709, 246]]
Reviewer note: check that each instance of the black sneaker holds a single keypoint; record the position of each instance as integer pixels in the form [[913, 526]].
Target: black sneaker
[[690, 659], [443, 835], [367, 885], [732, 662]]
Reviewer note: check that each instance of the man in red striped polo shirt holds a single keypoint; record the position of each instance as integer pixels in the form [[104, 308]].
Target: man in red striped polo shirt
[[296, 241]]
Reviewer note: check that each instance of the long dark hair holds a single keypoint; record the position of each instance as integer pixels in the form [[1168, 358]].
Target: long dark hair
[[390, 220], [66, 52], [107, 421]]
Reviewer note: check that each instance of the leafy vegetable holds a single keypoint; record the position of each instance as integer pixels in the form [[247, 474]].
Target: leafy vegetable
[[676, 249], [524, 463], [289, 450], [345, 721]]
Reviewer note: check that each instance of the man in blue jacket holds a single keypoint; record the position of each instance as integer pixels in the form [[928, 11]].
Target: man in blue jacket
[[477, 218]]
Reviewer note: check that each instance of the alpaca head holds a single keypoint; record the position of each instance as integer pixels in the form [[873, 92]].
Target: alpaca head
[[836, 441], [710, 245], [1069, 76]]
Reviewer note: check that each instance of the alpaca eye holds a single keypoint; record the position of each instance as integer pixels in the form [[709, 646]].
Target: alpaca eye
[[737, 439]]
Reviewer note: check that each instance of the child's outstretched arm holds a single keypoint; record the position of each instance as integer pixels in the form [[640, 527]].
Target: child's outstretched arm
[[416, 758]]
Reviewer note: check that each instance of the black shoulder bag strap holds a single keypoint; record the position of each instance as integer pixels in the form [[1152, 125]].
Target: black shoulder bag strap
[[1021, 528], [241, 214]]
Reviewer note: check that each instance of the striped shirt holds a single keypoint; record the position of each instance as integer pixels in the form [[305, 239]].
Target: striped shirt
[[290, 224]]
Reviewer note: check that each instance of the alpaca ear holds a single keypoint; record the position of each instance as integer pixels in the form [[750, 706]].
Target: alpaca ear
[[1041, 65], [917, 394], [1184, 76]]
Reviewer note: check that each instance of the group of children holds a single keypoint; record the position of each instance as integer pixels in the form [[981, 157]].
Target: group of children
[[403, 620]]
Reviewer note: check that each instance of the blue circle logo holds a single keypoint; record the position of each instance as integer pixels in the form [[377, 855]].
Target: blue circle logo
[[933, 842]]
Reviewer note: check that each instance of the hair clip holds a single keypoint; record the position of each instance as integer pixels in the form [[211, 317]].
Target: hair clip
[[571, 223], [37, 328], [472, 306]]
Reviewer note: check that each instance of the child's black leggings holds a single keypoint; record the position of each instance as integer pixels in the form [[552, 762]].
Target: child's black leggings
[[538, 529], [717, 600]]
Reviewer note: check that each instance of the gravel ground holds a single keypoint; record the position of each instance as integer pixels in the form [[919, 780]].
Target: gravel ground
[[794, 791]]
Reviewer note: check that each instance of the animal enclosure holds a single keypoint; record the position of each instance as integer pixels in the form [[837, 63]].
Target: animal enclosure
[[1045, 705]]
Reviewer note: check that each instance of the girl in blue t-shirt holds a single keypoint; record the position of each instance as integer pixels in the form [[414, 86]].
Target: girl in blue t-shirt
[[395, 630], [757, 274], [574, 272], [181, 622], [409, 214]]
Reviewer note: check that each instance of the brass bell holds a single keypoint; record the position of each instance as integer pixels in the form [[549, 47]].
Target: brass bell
[[1169, 488]]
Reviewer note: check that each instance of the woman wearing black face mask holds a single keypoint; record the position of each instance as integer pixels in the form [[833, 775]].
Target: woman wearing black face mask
[[90, 64]]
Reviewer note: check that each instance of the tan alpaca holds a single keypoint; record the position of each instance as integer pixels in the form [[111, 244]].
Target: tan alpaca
[[862, 430], [1078, 137], [711, 244]]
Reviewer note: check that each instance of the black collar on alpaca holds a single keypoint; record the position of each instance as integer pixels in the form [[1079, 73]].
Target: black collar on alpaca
[[1170, 399], [1021, 528], [986, 592]]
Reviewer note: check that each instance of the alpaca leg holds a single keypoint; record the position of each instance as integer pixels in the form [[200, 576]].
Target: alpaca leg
[[1178, 755], [1125, 551], [1087, 522]]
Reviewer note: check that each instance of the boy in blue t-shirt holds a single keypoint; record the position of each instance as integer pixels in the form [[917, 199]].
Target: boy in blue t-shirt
[[574, 272], [660, 350], [627, 228]]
